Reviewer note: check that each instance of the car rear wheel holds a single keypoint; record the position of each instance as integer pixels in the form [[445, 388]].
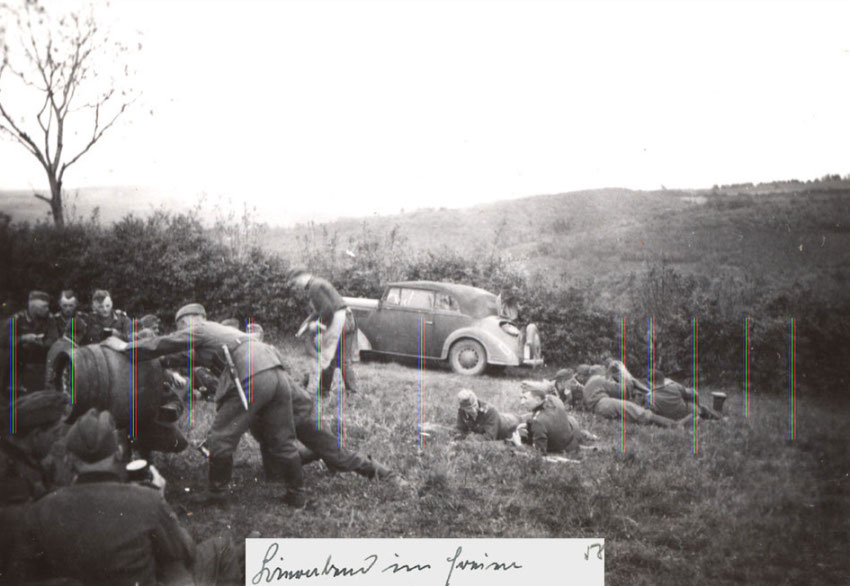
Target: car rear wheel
[[468, 357]]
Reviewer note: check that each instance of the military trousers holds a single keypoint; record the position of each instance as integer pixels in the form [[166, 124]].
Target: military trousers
[[269, 418]]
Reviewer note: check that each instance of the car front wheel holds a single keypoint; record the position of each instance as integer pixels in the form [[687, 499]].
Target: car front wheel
[[468, 357]]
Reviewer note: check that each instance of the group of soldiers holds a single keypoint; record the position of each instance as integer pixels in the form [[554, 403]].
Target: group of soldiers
[[68, 533], [610, 392]]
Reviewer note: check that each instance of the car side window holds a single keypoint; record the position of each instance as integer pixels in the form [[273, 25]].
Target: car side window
[[393, 296], [417, 299], [446, 302]]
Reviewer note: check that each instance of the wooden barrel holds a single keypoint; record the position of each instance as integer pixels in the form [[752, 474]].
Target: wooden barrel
[[96, 376]]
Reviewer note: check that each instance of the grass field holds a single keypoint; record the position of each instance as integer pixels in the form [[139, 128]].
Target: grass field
[[751, 507]]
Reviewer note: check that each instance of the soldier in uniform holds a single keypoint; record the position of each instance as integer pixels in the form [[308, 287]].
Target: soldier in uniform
[[482, 420], [601, 396], [68, 321], [338, 330], [104, 321], [23, 478], [101, 530], [671, 399], [549, 429], [269, 415], [25, 338]]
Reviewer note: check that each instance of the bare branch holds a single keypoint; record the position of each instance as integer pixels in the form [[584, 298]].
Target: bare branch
[[96, 135], [42, 198]]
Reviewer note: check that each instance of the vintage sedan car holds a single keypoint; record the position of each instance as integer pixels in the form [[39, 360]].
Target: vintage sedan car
[[468, 327]]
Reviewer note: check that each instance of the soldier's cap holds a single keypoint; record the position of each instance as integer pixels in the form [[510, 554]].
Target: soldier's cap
[[583, 369], [38, 296], [149, 321], [535, 390], [92, 437], [254, 328], [564, 373], [657, 376], [295, 273], [230, 322], [467, 398], [41, 408], [596, 369], [190, 309]]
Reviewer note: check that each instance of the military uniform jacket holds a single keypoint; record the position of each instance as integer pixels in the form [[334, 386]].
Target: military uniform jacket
[[101, 531], [550, 429], [95, 325], [670, 399], [21, 477], [325, 299], [73, 328], [203, 340], [20, 324], [597, 388], [487, 422]]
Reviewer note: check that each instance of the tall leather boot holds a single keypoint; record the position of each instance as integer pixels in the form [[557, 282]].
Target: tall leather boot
[[382, 473], [295, 496], [220, 472]]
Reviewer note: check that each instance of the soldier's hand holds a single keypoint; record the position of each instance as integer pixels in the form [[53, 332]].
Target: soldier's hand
[[31, 338], [157, 480], [115, 344]]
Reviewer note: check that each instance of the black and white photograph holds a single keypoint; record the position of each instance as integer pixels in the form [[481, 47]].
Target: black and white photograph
[[450, 292]]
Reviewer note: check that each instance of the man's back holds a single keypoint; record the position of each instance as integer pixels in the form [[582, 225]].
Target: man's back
[[106, 533]]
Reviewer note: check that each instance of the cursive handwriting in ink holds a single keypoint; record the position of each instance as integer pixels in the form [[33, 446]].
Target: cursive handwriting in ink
[[600, 549], [269, 574], [404, 567], [455, 562]]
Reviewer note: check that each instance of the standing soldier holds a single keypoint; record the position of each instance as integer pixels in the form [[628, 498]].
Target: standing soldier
[[105, 321], [336, 327], [23, 345], [266, 410], [68, 321]]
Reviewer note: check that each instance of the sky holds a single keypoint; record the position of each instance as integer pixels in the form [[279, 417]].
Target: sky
[[321, 109]]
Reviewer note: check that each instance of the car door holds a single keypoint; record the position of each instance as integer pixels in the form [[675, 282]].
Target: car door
[[447, 318], [404, 316]]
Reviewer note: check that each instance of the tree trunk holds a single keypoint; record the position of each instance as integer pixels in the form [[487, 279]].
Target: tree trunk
[[56, 206]]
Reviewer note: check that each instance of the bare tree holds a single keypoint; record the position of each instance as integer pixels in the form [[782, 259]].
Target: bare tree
[[60, 67]]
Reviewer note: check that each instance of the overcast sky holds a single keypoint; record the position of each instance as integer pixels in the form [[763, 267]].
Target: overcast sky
[[355, 107]]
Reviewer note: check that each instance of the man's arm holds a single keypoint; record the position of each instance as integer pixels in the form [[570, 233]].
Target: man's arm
[[491, 424], [150, 348], [539, 435]]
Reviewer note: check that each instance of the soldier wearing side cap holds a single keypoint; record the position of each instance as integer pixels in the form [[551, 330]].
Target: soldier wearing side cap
[[23, 346], [269, 415], [479, 420], [338, 330], [104, 321], [68, 322], [101, 530], [36, 428], [23, 477]]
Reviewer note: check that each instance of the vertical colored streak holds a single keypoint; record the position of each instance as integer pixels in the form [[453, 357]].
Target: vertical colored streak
[[250, 363], [319, 374], [338, 387], [190, 377], [340, 428]]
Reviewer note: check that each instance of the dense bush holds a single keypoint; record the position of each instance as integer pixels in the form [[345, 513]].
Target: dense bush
[[151, 265], [156, 264]]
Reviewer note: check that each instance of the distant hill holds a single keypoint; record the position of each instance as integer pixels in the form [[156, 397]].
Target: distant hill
[[112, 203], [779, 231]]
